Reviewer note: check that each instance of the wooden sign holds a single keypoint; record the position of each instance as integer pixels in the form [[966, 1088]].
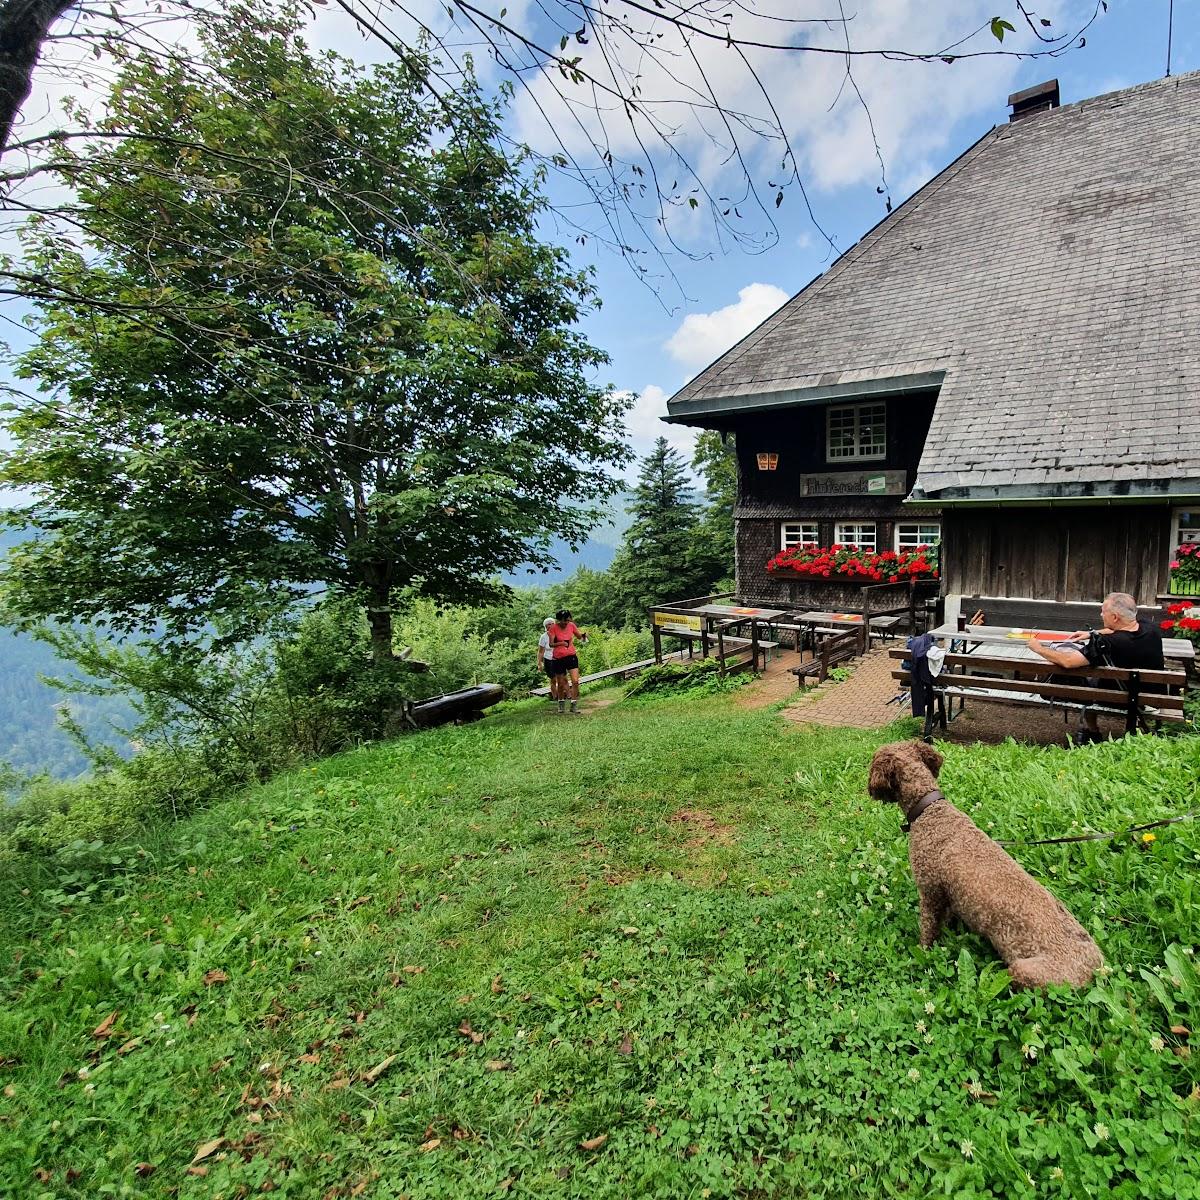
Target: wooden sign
[[854, 483], [678, 620]]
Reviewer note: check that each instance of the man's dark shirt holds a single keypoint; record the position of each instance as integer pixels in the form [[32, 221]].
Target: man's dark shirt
[[1129, 648]]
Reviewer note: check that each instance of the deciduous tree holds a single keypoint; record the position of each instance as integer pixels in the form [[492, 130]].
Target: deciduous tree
[[303, 336]]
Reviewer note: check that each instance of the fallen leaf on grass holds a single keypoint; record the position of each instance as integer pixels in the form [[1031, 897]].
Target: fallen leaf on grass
[[9, 1091], [104, 1029], [465, 999], [499, 1064], [145, 1169], [626, 1046], [214, 977], [497, 986], [309, 1058], [207, 1148], [629, 929], [505, 1184], [132, 1044], [197, 1170], [413, 970], [594, 1143], [359, 902], [1180, 1030], [432, 1144], [336, 1084], [466, 1030], [375, 1072]]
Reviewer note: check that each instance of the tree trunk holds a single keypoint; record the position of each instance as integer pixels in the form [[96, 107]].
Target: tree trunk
[[380, 618], [24, 25]]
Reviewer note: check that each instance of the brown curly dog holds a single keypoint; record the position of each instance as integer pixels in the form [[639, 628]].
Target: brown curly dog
[[959, 871]]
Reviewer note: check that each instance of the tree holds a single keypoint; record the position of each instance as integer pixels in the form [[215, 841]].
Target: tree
[[653, 110], [307, 340], [713, 546], [655, 563]]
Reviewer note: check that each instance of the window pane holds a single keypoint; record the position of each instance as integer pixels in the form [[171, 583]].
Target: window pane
[[797, 533], [856, 534], [911, 535], [1187, 525], [856, 431]]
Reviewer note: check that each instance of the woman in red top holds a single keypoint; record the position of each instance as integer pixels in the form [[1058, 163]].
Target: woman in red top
[[563, 633]]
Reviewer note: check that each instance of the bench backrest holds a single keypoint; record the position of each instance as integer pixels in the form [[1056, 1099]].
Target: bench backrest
[[1035, 614]]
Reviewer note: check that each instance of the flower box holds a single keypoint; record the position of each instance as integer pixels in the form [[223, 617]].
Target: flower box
[[841, 564], [1185, 570]]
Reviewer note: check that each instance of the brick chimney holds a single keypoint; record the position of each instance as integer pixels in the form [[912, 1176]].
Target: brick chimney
[[1039, 98]]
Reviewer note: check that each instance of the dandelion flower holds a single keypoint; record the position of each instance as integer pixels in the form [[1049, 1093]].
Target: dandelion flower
[[967, 1147], [1148, 838], [1101, 1131]]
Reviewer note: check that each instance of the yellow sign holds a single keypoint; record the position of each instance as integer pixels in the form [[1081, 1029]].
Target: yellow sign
[[679, 620]]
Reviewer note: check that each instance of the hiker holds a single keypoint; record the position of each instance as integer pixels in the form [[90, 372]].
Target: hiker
[[545, 662], [563, 633]]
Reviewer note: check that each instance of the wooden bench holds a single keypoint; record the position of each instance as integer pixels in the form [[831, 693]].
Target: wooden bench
[[840, 647], [1141, 697]]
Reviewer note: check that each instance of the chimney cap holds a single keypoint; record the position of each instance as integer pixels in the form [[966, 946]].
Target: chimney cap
[[1034, 99]]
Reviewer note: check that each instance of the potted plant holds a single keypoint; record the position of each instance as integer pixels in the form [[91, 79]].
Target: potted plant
[[1185, 570], [1183, 621]]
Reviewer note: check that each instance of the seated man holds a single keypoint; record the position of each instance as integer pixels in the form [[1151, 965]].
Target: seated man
[[1125, 641]]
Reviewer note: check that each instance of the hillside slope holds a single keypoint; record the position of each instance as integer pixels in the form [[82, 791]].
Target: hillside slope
[[667, 950]]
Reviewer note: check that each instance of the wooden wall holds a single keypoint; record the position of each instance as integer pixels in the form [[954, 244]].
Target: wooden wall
[[1057, 553]]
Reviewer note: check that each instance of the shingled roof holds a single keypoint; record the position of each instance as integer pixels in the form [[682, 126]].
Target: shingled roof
[[1048, 280]]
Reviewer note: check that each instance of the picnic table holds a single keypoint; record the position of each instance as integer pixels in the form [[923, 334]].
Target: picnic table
[[729, 611], [813, 623], [1003, 641]]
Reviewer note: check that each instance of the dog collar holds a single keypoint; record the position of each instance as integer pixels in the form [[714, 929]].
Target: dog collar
[[918, 808]]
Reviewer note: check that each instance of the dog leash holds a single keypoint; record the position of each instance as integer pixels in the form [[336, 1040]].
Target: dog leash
[[1104, 837]]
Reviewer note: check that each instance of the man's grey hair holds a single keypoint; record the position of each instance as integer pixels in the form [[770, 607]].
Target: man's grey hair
[[547, 622], [1123, 604]]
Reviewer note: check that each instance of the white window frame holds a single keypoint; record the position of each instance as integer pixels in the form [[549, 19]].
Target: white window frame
[[787, 542], [857, 455], [1176, 534], [856, 540], [918, 526]]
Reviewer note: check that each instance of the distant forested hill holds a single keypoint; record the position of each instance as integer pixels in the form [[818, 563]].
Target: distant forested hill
[[30, 738]]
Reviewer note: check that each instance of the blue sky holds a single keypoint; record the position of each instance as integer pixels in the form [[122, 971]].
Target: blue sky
[[925, 115]]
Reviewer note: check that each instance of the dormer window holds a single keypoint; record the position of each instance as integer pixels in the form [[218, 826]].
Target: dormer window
[[855, 432]]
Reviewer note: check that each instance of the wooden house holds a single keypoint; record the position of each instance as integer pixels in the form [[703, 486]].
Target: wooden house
[[1009, 362]]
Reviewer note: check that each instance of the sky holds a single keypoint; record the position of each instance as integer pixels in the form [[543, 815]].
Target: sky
[[661, 332]]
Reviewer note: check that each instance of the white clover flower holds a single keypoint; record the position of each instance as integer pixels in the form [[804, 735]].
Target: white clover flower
[[1101, 1131], [914, 1074], [1029, 1051], [930, 1007], [974, 1088], [1056, 1172], [887, 907], [89, 1087], [821, 895], [967, 1147], [1157, 1044], [928, 1039], [921, 1026]]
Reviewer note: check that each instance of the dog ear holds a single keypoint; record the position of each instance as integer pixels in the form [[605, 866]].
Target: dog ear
[[881, 781], [930, 757]]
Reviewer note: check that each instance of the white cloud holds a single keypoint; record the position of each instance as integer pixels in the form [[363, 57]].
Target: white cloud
[[704, 337], [645, 425]]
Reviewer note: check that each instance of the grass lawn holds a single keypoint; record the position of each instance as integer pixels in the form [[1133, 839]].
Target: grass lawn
[[666, 950]]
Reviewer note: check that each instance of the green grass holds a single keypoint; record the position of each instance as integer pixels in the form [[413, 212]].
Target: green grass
[[734, 1001]]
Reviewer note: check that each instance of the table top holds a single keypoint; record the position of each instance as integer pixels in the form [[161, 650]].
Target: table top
[[1005, 642], [733, 610], [832, 618]]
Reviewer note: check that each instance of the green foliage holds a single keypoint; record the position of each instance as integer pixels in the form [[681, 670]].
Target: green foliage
[[713, 548], [701, 677], [348, 362], [687, 929], [658, 561]]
